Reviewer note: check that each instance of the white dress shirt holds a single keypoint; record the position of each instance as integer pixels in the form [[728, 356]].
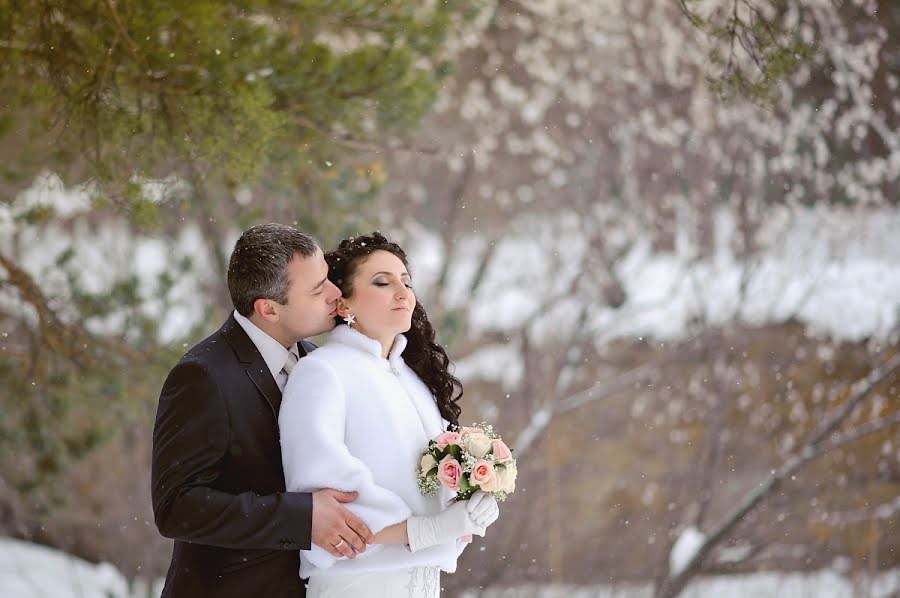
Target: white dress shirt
[[273, 352]]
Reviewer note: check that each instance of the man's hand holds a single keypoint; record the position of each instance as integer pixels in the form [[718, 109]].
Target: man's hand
[[336, 529]]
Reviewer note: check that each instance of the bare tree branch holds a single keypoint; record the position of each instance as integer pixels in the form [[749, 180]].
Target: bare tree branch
[[860, 391], [542, 417], [815, 447]]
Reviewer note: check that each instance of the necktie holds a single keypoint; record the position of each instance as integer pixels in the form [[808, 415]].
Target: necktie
[[290, 363], [292, 360]]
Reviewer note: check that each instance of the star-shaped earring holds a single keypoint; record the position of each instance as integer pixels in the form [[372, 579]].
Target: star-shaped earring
[[350, 319]]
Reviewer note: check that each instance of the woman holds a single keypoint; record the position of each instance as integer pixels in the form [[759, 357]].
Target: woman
[[356, 415]]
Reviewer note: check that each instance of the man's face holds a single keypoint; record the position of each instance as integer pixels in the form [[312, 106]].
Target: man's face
[[311, 298]]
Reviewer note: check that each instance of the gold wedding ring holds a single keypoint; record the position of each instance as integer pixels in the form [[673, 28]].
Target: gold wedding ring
[[339, 544]]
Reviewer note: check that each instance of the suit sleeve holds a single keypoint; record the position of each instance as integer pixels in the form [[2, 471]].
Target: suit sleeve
[[190, 444], [312, 421]]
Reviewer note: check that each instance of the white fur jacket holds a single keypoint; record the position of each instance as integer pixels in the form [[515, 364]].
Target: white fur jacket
[[354, 421]]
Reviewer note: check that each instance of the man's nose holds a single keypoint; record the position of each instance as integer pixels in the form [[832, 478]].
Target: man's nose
[[335, 291]]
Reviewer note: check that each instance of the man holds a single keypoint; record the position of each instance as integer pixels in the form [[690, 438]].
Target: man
[[217, 480]]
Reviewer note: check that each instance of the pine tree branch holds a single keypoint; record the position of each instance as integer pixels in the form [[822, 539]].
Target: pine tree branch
[[72, 341], [132, 47], [359, 144], [61, 337]]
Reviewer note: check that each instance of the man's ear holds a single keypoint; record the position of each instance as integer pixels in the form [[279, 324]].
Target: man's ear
[[266, 310]]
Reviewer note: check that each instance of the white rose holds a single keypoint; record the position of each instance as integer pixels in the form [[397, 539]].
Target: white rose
[[427, 463], [478, 444], [507, 476]]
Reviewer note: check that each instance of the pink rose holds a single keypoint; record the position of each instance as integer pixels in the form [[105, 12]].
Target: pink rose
[[447, 438], [484, 476], [501, 452], [448, 473]]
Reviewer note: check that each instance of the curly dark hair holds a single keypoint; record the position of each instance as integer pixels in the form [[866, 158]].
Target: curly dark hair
[[423, 355]]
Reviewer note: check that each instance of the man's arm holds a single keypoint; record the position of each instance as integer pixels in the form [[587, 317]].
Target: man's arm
[[190, 441]]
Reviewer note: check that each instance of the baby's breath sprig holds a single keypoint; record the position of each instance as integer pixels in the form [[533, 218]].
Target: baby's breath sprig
[[468, 462], [488, 429], [428, 484]]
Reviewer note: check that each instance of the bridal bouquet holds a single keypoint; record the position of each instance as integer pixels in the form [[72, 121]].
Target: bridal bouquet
[[467, 460]]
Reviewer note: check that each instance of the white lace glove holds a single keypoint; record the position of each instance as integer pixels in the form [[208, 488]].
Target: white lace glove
[[448, 525], [483, 508]]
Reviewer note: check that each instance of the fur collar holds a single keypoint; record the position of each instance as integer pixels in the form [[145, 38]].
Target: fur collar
[[346, 335]]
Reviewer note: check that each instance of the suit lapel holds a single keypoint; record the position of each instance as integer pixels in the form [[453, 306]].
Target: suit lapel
[[253, 363], [266, 385]]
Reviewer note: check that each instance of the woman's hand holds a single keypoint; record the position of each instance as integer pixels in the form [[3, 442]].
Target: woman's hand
[[483, 508], [448, 525]]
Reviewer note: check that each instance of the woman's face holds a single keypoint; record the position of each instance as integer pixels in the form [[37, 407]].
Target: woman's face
[[381, 297]]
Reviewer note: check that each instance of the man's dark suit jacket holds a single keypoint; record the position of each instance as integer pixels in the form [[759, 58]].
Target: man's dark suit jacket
[[218, 485]]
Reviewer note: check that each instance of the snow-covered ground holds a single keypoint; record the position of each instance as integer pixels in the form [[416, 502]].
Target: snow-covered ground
[[32, 571], [826, 583]]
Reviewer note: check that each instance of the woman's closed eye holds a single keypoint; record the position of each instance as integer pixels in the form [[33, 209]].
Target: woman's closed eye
[[381, 283]]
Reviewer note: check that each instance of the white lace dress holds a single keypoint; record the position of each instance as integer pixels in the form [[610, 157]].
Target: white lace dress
[[420, 582]]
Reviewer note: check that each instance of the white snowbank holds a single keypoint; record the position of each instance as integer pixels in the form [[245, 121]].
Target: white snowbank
[[825, 583], [685, 548], [492, 362], [32, 571], [105, 253], [836, 270]]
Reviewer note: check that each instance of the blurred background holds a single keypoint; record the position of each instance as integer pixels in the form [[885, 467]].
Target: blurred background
[[659, 238]]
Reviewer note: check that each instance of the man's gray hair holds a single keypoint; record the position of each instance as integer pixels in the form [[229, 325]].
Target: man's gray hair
[[258, 265]]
